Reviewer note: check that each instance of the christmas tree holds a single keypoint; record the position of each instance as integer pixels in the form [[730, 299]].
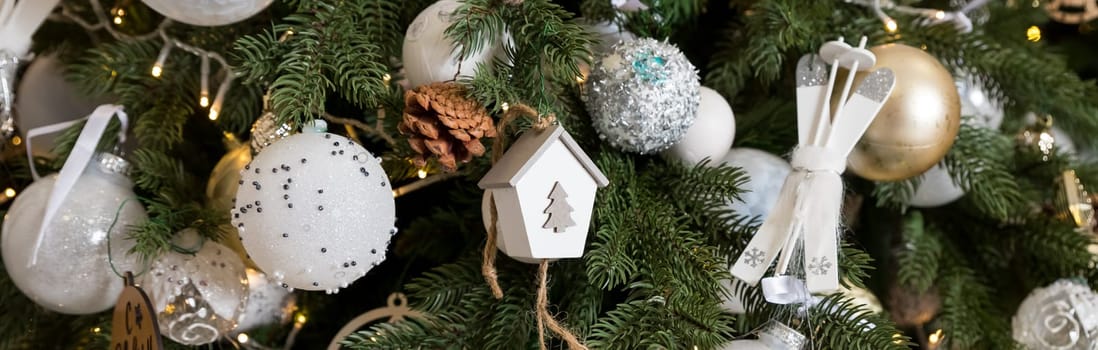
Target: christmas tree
[[558, 210], [965, 217]]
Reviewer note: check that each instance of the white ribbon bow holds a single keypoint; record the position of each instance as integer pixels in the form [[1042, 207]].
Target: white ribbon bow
[[810, 202], [81, 154]]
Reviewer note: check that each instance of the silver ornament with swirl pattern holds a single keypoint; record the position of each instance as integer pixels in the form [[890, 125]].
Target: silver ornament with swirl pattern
[[1062, 316]]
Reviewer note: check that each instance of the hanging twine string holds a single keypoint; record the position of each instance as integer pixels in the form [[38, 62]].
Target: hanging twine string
[[488, 269], [545, 319]]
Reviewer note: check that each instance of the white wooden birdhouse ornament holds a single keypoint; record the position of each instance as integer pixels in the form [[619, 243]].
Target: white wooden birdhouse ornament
[[544, 191]]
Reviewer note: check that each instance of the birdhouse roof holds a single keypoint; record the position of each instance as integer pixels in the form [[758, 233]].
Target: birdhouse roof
[[527, 150]]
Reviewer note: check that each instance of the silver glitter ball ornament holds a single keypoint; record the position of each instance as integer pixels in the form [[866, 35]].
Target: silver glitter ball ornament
[[1063, 316], [73, 272], [642, 95]]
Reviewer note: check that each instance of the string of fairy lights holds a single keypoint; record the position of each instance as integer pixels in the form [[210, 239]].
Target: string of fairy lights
[[118, 13]]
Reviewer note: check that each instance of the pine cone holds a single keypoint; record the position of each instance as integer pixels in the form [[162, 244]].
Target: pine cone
[[441, 120]]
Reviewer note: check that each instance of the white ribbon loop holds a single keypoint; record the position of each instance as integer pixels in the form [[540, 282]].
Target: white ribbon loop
[[785, 290], [809, 204], [81, 154]]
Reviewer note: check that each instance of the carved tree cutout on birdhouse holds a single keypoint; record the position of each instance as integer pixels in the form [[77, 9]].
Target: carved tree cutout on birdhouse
[[560, 213]]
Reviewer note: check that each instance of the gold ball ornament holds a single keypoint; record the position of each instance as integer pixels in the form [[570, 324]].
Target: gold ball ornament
[[916, 126]]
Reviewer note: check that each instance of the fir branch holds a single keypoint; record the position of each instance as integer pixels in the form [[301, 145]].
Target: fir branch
[[841, 323], [919, 260]]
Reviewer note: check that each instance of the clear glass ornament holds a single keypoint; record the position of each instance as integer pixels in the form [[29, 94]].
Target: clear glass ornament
[[72, 274], [1062, 316], [268, 303], [198, 297]]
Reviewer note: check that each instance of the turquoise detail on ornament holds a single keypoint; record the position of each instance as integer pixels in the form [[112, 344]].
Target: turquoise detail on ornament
[[650, 68]]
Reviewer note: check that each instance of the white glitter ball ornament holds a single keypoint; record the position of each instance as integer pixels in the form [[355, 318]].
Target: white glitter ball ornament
[[429, 56], [268, 303], [642, 95], [766, 173], [315, 211], [198, 296], [73, 274], [711, 135], [1063, 316], [208, 12]]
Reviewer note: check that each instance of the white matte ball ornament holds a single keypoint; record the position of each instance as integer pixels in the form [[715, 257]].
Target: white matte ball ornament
[[766, 173], [208, 12], [44, 97], [268, 303], [198, 296], [711, 135], [73, 274], [315, 211], [1063, 315], [936, 189], [429, 56]]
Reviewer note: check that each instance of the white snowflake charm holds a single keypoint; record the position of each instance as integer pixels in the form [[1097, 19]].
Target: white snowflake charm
[[544, 192]]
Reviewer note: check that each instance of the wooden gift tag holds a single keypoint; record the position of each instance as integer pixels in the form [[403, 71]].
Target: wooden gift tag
[[134, 324]]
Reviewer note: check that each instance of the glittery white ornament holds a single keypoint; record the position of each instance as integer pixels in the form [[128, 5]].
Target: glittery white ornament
[[429, 56], [1063, 316], [208, 12], [711, 135], [315, 211], [268, 303], [766, 173], [199, 296], [642, 95], [936, 189], [73, 274]]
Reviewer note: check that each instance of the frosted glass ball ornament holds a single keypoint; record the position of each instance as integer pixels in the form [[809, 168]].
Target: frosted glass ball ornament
[[429, 56], [315, 211], [208, 12], [268, 303], [712, 133], [1063, 315], [936, 189], [73, 273], [766, 174], [198, 296]]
